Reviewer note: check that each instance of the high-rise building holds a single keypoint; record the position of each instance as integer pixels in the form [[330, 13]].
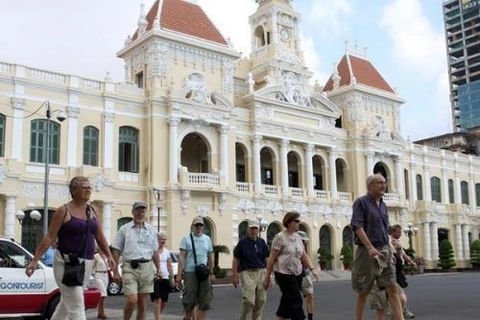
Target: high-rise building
[[462, 34]]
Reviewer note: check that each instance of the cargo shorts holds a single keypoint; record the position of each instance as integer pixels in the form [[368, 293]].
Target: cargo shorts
[[366, 270]]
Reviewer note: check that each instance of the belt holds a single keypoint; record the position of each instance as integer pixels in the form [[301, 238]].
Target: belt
[[139, 261]]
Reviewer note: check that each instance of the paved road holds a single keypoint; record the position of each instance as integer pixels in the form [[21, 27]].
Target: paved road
[[448, 296]]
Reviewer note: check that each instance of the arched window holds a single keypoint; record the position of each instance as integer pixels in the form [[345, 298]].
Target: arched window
[[436, 187], [128, 150], [38, 139], [90, 146], [451, 193], [464, 189], [477, 193], [2, 135], [419, 187]]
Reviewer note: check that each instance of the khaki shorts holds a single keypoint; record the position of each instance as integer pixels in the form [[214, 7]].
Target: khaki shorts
[[139, 280], [307, 284], [366, 270], [378, 298]]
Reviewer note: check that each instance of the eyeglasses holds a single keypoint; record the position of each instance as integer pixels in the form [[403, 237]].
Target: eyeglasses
[[297, 220], [86, 187], [198, 225]]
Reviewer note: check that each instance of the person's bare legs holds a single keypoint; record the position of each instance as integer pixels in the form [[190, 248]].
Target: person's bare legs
[[142, 306], [157, 309], [381, 314], [101, 308], [201, 314], [130, 304], [361, 299], [394, 300]]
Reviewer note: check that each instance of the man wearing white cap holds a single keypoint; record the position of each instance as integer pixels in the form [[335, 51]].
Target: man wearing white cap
[[137, 241], [307, 282], [250, 258]]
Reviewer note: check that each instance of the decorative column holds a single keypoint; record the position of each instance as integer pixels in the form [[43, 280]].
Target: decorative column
[[426, 241], [398, 175], [72, 145], [458, 242], [274, 26], [426, 176], [332, 155], [107, 220], [224, 152], [284, 167], [471, 190], [18, 105], [257, 182], [466, 243], [457, 187], [10, 217], [108, 119], [309, 170], [369, 155], [413, 182], [445, 194], [173, 151], [434, 237]]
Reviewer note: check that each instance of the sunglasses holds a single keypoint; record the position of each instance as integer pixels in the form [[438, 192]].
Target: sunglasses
[[199, 225], [86, 187], [297, 220]]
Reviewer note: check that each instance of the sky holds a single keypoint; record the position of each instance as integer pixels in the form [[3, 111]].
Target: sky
[[404, 41]]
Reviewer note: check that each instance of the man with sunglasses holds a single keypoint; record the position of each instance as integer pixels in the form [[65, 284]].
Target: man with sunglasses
[[196, 292]]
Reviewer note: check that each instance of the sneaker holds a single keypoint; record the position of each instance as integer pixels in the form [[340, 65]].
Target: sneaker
[[407, 314]]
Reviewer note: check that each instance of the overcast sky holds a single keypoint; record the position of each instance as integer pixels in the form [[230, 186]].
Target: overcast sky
[[404, 40]]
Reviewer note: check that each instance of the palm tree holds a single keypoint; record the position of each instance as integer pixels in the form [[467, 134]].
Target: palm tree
[[217, 249]]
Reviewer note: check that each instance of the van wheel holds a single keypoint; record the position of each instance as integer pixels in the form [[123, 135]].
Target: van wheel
[[51, 307]]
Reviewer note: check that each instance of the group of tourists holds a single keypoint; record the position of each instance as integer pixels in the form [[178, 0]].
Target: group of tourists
[[75, 230]]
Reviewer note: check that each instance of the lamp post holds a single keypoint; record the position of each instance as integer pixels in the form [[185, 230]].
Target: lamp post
[[263, 225], [60, 117], [158, 196], [410, 231], [34, 215]]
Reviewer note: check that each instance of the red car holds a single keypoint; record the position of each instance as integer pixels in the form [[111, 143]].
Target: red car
[[21, 296]]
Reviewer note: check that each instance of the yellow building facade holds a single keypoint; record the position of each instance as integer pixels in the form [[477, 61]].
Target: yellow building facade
[[194, 129]]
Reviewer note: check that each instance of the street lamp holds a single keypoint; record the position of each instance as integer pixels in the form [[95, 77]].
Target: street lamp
[[263, 223], [158, 197], [410, 231], [61, 116], [29, 243]]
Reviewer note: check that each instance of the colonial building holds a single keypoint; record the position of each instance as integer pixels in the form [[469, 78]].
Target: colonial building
[[194, 129]]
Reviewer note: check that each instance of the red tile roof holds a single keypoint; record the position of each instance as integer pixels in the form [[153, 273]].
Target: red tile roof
[[184, 17], [363, 71]]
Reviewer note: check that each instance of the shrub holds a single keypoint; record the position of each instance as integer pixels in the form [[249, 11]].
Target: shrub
[[347, 256], [324, 255], [475, 253], [445, 255]]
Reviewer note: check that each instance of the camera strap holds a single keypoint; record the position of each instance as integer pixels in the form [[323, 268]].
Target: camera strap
[[193, 249]]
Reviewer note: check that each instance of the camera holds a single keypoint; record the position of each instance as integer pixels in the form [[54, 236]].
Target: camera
[[73, 259], [134, 264]]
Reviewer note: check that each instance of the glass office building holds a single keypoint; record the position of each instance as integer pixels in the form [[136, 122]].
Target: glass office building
[[462, 35]]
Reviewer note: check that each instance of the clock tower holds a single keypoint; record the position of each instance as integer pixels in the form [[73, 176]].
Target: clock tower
[[276, 49]]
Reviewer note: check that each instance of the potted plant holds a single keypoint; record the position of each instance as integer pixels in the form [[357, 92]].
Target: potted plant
[[420, 261], [324, 257], [346, 255], [445, 255], [475, 254], [217, 249]]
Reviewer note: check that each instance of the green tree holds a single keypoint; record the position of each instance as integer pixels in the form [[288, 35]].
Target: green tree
[[445, 255], [324, 256], [475, 253]]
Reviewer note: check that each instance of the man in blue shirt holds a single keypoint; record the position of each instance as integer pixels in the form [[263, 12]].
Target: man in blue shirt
[[373, 259], [250, 258], [197, 292]]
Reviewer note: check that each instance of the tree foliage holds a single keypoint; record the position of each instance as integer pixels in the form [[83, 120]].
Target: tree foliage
[[446, 260]]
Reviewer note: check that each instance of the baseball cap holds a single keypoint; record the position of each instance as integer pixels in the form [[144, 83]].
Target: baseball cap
[[303, 235], [197, 220], [139, 204], [253, 224]]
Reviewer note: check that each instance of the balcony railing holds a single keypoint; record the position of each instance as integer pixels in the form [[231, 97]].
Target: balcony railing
[[203, 179], [321, 194], [243, 186], [296, 192], [268, 189], [391, 197], [345, 196]]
